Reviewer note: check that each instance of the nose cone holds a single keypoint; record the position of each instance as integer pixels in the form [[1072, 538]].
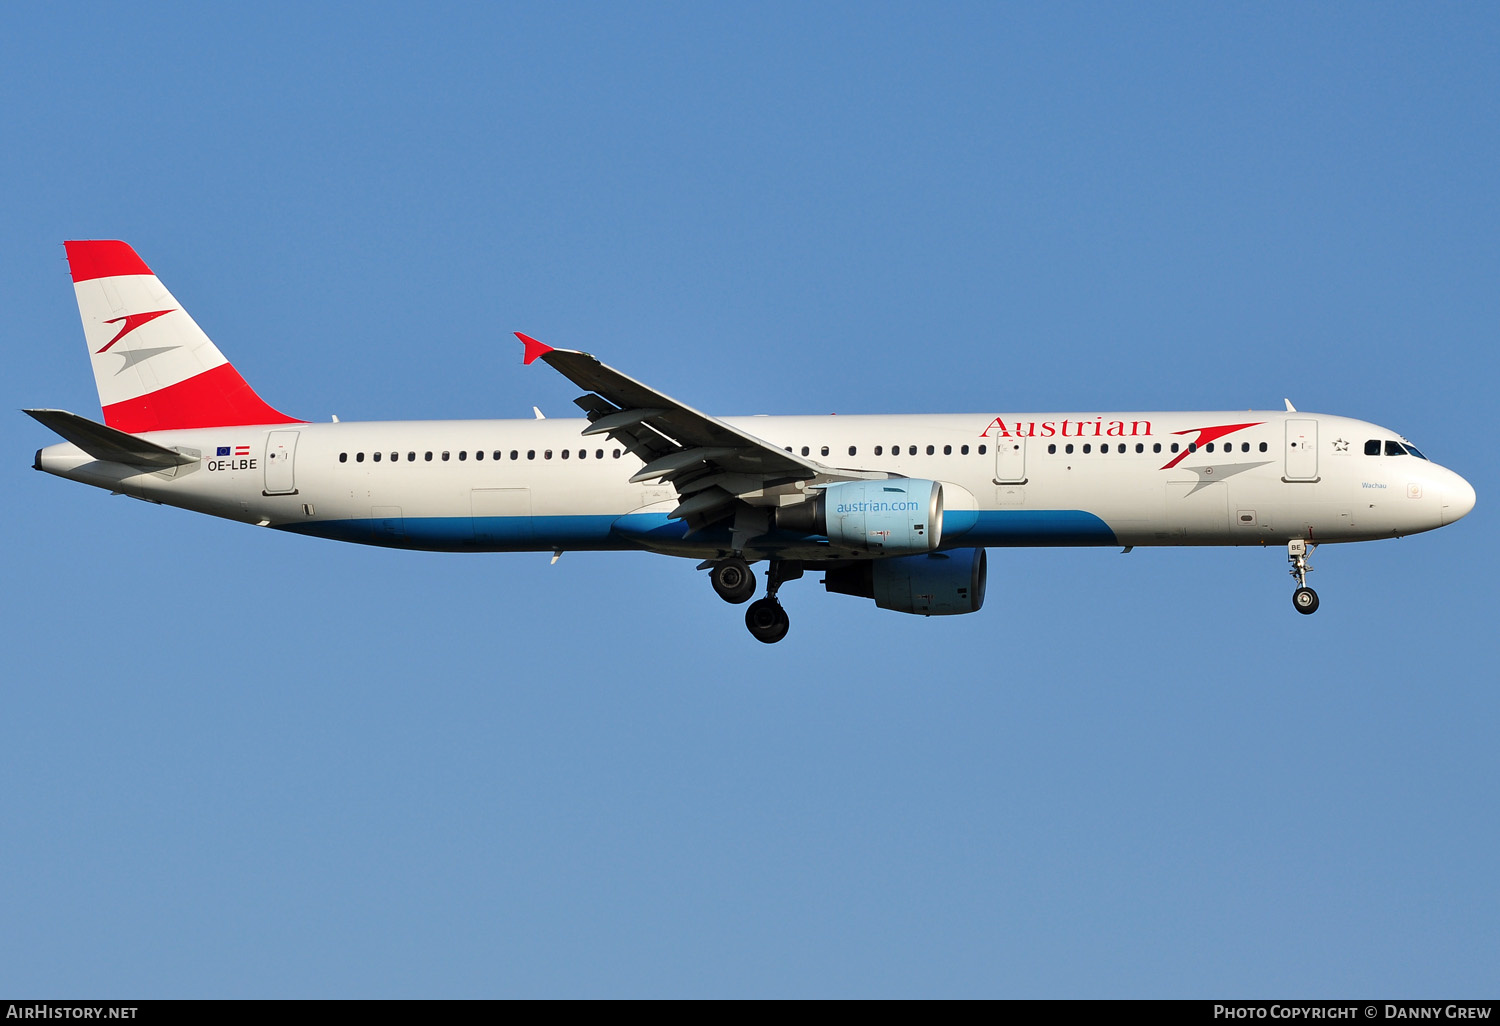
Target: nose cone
[[1458, 499]]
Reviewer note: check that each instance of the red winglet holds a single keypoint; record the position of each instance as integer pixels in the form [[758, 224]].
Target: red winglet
[[533, 348], [102, 258]]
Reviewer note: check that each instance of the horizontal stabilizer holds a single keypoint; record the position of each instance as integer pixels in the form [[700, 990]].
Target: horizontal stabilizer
[[109, 444]]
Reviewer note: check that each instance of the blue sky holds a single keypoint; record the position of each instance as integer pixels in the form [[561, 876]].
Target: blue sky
[[245, 764]]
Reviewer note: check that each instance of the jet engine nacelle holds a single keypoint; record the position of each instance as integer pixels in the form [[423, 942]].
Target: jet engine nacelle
[[934, 584], [894, 516]]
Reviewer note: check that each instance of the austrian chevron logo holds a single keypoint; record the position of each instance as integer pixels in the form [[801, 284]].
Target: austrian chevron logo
[[1206, 435], [132, 321]]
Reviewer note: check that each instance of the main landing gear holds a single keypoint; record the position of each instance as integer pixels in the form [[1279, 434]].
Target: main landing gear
[[733, 579], [735, 582], [767, 620], [1304, 599]]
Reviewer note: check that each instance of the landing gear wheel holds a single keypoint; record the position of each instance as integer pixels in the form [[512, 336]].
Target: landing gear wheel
[[733, 580], [767, 621], [1305, 600]]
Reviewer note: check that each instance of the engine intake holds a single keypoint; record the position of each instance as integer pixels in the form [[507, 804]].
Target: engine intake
[[895, 516], [934, 584]]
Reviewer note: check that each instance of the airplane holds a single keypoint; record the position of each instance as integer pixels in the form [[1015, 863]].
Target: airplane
[[897, 509]]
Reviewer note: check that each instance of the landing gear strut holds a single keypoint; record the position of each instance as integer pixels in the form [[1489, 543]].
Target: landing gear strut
[[1304, 599], [733, 579], [765, 618]]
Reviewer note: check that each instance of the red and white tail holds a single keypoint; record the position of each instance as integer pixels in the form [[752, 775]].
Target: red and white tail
[[155, 368]]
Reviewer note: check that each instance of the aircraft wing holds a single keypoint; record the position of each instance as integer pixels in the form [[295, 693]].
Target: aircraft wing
[[711, 463]]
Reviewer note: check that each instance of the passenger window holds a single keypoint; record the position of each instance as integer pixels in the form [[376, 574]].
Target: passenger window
[[1244, 447], [428, 457], [1192, 447], [1156, 447], [1174, 446], [1122, 447], [497, 455], [825, 450], [359, 457], [852, 451], [1087, 448], [981, 450], [531, 454], [547, 454], [375, 456], [1052, 448], [479, 454], [565, 454], [963, 450], [463, 454], [1262, 446], [806, 451], [445, 455], [1140, 447], [1209, 447], [598, 454], [931, 450], [1068, 448], [947, 450], [411, 457], [617, 454], [583, 454], [515, 455], [343, 457], [879, 450]]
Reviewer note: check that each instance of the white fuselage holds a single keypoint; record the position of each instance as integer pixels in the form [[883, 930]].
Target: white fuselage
[[1014, 479]]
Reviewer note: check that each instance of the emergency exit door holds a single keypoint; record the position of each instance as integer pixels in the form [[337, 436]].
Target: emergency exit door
[[1010, 460]]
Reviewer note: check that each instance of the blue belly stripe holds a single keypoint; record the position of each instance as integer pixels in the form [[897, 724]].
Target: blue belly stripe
[[1026, 527], [962, 529]]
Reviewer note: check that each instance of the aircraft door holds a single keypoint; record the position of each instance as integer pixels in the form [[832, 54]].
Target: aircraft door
[[280, 447], [1301, 450], [1010, 460]]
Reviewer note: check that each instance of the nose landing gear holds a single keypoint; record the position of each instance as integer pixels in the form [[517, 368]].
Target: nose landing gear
[[1304, 599]]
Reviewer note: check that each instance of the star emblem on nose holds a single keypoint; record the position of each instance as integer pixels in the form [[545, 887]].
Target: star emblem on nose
[[1340, 445]]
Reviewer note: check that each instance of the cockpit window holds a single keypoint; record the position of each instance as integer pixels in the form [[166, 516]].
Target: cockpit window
[[1415, 452], [1394, 448], [1372, 447]]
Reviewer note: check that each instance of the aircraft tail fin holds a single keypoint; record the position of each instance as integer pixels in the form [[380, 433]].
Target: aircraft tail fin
[[154, 367]]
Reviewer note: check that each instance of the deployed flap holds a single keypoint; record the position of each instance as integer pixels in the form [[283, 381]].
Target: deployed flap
[[109, 444]]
